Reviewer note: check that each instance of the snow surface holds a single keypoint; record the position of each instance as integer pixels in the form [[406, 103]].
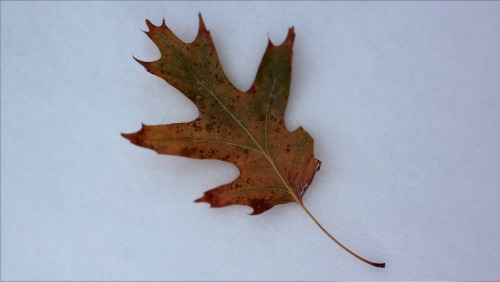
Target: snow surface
[[402, 99]]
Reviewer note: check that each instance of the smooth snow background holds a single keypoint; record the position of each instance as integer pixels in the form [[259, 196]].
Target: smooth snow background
[[402, 100]]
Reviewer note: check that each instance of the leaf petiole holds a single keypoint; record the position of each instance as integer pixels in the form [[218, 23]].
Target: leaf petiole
[[381, 265]]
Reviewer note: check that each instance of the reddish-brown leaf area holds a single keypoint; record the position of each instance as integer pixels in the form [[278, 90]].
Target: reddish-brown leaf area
[[244, 128]]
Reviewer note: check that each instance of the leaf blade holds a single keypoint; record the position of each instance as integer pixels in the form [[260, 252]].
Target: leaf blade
[[244, 128]]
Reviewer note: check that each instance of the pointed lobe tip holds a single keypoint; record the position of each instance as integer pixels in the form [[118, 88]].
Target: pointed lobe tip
[[149, 24], [128, 136], [142, 63], [202, 29], [290, 37], [201, 200]]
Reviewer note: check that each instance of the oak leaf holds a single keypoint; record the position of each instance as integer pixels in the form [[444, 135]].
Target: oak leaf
[[246, 129]]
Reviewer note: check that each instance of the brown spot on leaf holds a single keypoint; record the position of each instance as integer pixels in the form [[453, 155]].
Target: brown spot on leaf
[[186, 152]]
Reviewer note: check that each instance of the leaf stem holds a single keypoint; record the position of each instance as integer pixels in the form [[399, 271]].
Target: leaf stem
[[381, 265]]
